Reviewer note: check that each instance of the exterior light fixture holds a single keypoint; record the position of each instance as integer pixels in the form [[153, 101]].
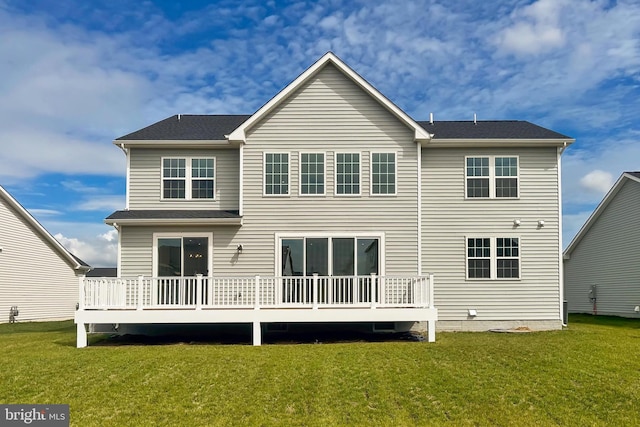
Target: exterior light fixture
[[473, 312], [516, 222], [541, 223], [239, 248]]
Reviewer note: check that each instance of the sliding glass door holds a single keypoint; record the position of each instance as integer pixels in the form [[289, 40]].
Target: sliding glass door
[[336, 260]]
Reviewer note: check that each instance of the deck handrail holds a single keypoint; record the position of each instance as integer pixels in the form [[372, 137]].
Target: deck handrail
[[256, 292]]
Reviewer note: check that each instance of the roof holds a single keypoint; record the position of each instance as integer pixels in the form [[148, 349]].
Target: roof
[[188, 127], [491, 129], [626, 176], [174, 216], [103, 272], [215, 127], [75, 262]]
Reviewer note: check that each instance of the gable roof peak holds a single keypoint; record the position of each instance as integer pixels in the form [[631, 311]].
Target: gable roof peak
[[239, 134]]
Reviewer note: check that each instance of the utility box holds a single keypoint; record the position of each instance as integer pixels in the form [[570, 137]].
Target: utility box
[[593, 293]]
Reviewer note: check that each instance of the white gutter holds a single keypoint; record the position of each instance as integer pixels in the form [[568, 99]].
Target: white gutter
[[419, 156], [560, 257]]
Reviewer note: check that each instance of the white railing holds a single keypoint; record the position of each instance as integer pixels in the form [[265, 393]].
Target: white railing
[[198, 292]]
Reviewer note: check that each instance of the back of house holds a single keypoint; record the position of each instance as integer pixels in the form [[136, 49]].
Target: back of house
[[332, 185]]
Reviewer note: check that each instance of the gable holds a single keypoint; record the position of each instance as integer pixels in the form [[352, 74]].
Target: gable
[[330, 107], [618, 210], [239, 134], [17, 224]]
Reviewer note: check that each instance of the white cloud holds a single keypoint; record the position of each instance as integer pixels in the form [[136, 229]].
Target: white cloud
[[102, 203], [597, 181], [44, 212], [96, 251]]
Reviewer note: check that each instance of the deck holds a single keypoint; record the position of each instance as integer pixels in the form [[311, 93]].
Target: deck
[[255, 300]]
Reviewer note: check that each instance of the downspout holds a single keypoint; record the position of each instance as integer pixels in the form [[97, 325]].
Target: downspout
[[560, 260], [241, 179], [419, 202], [126, 152]]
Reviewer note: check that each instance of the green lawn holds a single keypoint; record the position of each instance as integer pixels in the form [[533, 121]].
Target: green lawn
[[588, 374]]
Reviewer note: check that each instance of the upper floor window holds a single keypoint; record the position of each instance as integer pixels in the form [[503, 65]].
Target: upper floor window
[[492, 177], [188, 178], [348, 173], [312, 173], [276, 173], [491, 258], [383, 173]]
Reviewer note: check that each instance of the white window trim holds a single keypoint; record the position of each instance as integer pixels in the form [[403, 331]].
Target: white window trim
[[492, 176], [371, 193], [264, 173], [188, 179], [278, 237], [324, 173], [157, 236], [335, 174], [493, 257]]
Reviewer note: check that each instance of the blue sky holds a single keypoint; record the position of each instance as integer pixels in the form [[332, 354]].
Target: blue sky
[[78, 74]]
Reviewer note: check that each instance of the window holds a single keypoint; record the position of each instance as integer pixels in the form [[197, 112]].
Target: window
[[312, 173], [507, 258], [195, 181], [337, 256], [491, 258], [383, 173], [276, 173], [491, 177], [348, 173]]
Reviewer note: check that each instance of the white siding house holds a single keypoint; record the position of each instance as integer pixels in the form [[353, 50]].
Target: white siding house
[[331, 204], [601, 269], [37, 274]]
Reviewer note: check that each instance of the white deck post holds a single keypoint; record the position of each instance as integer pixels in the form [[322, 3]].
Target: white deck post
[[431, 305], [373, 290], [81, 335], [431, 331], [315, 291], [199, 291], [257, 333], [81, 295], [140, 292], [257, 302]]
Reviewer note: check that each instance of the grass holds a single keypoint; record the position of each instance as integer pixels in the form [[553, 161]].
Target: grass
[[588, 374]]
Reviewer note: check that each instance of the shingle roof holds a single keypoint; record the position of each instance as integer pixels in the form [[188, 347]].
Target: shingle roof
[[492, 129], [189, 127], [172, 214], [636, 174], [215, 127], [103, 272]]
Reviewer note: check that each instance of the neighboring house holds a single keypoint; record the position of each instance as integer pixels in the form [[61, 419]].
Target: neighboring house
[[37, 274], [601, 269], [331, 178]]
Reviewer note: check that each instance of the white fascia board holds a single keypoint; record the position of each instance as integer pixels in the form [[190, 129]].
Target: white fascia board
[[492, 142], [174, 221], [239, 134], [41, 230], [597, 212], [173, 143]]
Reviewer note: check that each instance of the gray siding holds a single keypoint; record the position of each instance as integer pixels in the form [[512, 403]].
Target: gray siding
[[328, 114], [607, 257], [145, 185], [448, 218], [33, 275]]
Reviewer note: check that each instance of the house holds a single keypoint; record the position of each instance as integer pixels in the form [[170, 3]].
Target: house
[[331, 204], [601, 271], [38, 276]]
